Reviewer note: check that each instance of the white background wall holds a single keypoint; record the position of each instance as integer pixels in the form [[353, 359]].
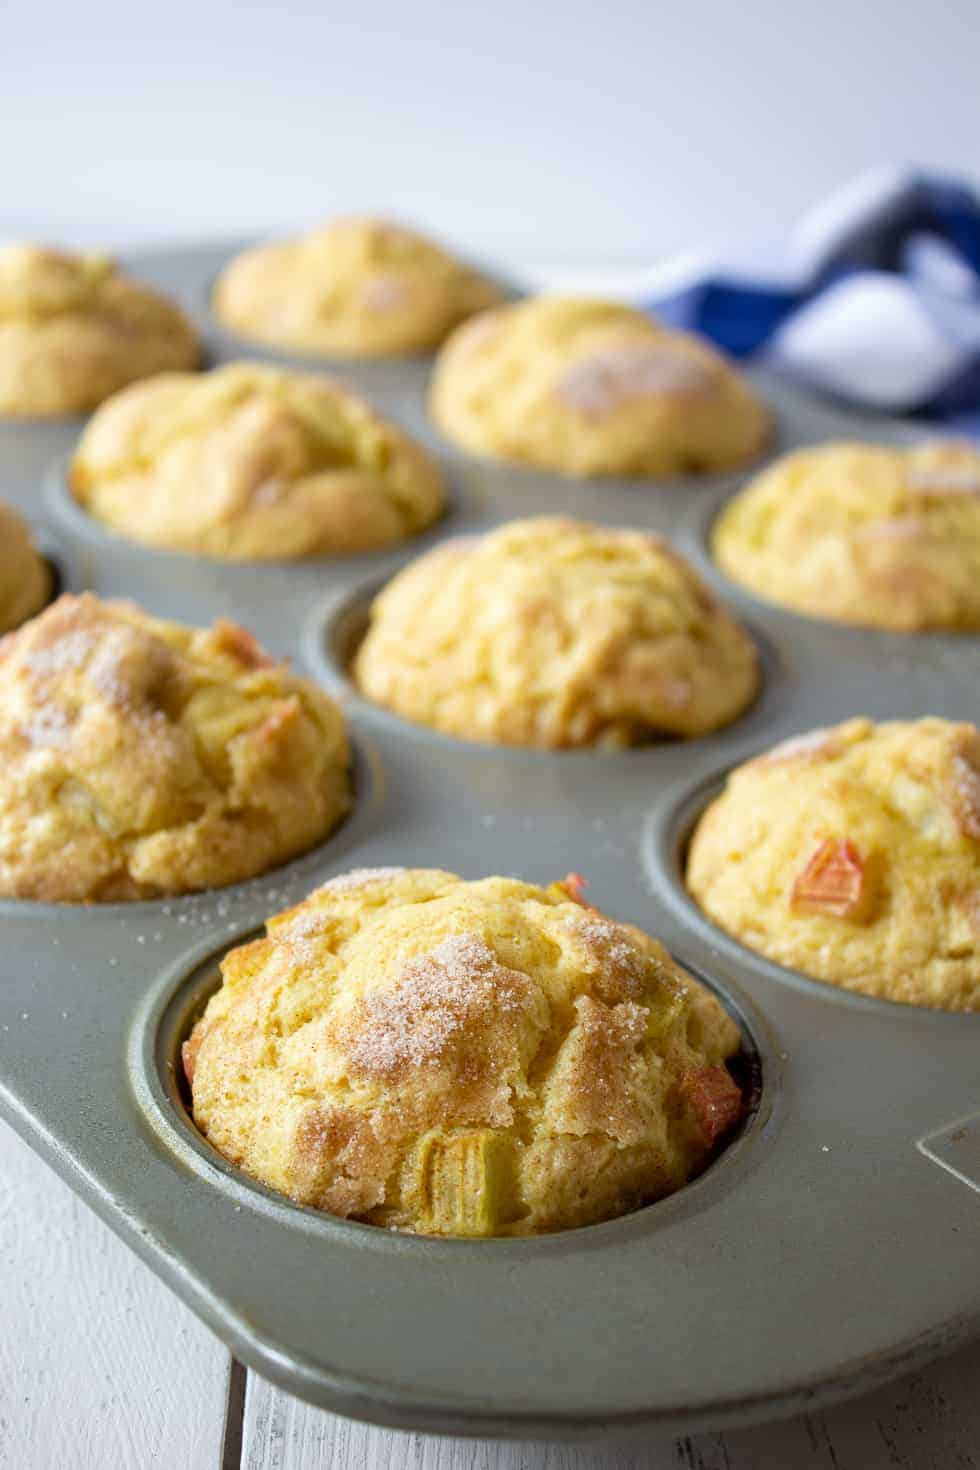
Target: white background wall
[[536, 130]]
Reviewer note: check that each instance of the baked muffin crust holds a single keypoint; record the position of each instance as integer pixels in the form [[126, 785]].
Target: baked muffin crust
[[852, 854], [550, 632], [862, 533], [25, 580], [592, 388], [74, 328], [461, 1058], [357, 287], [253, 462], [140, 758]]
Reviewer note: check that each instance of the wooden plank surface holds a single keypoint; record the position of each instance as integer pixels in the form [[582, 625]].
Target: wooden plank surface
[[101, 1367], [930, 1421]]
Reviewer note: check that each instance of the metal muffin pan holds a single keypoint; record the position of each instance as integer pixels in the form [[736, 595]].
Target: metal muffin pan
[[833, 1244]]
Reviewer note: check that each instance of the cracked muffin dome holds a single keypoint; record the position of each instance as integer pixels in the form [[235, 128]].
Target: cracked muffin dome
[[74, 328], [591, 388], [461, 1058], [869, 534], [852, 854], [550, 632], [25, 580], [253, 462], [140, 758], [357, 287]]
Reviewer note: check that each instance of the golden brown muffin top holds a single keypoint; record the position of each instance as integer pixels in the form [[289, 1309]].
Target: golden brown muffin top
[[251, 461], [852, 854], [74, 328], [469, 1058], [139, 757], [552, 632], [594, 388], [872, 534], [38, 282], [356, 287]]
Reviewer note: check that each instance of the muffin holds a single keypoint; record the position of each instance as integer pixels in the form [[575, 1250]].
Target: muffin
[[252, 462], [853, 855], [453, 1058], [140, 758], [862, 533], [591, 388], [357, 287], [25, 580], [74, 328], [551, 632]]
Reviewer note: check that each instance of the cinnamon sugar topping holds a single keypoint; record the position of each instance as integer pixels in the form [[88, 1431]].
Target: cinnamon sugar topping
[[946, 480], [298, 935], [602, 382], [898, 528], [813, 743], [61, 655], [357, 878], [607, 939], [622, 968], [460, 985], [47, 728], [384, 293]]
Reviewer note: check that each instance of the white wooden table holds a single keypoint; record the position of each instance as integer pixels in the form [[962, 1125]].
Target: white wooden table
[[101, 1368]]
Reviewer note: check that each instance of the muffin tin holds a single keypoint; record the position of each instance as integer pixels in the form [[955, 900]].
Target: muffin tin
[[832, 1244]]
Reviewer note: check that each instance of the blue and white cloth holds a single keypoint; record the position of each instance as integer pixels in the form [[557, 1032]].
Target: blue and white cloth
[[874, 298]]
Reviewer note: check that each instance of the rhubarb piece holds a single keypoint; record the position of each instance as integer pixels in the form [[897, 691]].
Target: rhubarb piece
[[573, 886], [966, 790], [713, 1097], [188, 1053], [463, 1182], [835, 882], [241, 645]]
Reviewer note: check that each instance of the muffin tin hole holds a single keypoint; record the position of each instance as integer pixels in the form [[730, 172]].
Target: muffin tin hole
[[230, 340], [666, 845], [69, 573], [57, 576], [157, 1073], [270, 890], [62, 504], [706, 512], [74, 516], [338, 627], [64, 575], [337, 632]]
